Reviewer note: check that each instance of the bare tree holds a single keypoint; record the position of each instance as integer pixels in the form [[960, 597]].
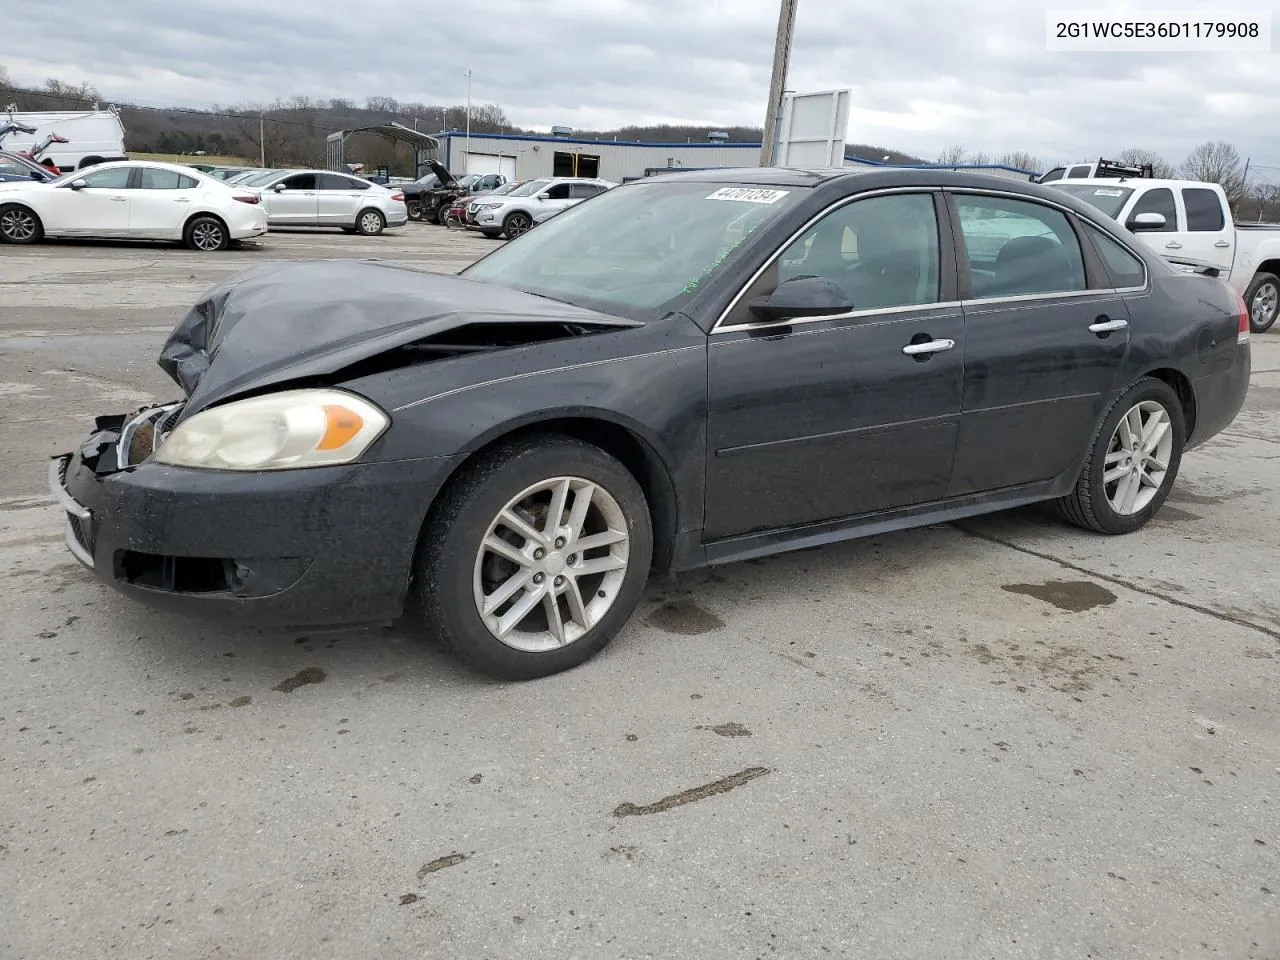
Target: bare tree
[[952, 155], [1021, 160], [269, 137], [1161, 168], [85, 92], [1217, 162], [978, 159], [4, 76]]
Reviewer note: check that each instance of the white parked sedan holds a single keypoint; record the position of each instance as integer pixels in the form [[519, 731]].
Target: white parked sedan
[[134, 200], [322, 198]]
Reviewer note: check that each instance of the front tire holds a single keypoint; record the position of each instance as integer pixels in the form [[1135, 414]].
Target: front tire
[[1132, 462], [206, 235], [535, 557], [516, 224], [20, 224], [370, 223], [1263, 301]]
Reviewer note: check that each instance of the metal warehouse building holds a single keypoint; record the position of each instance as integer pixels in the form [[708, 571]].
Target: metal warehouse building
[[524, 156]]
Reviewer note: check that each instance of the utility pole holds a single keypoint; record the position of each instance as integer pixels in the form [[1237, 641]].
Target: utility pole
[[467, 159], [262, 141], [778, 84]]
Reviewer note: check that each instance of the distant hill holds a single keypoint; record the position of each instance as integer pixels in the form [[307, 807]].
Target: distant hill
[[292, 132]]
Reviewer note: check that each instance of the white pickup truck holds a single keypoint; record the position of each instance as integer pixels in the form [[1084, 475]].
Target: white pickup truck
[[1190, 220]]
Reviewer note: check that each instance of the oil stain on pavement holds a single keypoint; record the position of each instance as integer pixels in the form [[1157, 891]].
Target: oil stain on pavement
[[1074, 596], [301, 679], [723, 785], [441, 863], [683, 618]]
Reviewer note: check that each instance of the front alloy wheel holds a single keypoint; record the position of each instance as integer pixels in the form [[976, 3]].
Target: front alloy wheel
[[19, 225], [551, 564], [534, 557], [516, 224]]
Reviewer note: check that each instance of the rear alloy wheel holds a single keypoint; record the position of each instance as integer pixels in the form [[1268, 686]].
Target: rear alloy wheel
[[516, 224], [20, 225], [370, 223], [1263, 301], [1133, 461], [536, 558], [206, 235]]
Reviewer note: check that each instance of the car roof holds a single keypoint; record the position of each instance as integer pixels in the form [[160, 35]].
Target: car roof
[[1129, 182]]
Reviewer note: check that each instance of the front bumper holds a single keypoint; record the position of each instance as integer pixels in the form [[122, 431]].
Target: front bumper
[[320, 546]]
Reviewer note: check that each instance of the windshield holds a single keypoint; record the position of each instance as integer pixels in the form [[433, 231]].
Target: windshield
[[1110, 200], [636, 249], [529, 189]]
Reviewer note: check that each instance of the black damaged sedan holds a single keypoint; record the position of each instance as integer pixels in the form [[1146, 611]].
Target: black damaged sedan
[[682, 371]]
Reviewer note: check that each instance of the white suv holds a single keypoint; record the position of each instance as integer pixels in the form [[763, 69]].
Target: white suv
[[514, 213]]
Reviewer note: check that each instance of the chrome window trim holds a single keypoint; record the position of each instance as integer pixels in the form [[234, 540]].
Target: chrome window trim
[[989, 191], [717, 327], [721, 327]]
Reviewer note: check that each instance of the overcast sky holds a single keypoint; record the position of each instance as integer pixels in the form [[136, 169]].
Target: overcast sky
[[924, 73]]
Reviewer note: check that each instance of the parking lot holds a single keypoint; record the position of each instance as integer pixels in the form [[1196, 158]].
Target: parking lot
[[1005, 738]]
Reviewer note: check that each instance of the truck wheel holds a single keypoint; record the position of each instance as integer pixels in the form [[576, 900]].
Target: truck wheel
[[415, 209], [1263, 300]]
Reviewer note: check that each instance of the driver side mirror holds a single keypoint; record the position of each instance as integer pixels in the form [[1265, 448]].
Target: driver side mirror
[[78, 184], [279, 188], [803, 297], [545, 195], [1146, 221]]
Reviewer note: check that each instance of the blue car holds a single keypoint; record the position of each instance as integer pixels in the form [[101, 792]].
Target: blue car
[[14, 166]]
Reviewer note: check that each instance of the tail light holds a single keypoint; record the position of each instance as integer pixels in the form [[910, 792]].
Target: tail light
[[1242, 335], [248, 198], [398, 196]]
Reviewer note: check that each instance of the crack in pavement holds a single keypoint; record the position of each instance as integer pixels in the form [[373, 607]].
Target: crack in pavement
[[1271, 632]]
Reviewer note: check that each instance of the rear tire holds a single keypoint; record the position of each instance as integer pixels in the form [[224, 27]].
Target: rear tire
[[458, 575], [19, 224], [1132, 463], [1262, 298], [206, 234], [370, 223]]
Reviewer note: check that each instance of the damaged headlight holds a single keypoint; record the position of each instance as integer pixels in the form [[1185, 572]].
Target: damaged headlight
[[278, 431]]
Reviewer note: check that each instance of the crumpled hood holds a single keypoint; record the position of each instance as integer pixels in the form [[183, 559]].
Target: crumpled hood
[[286, 321]]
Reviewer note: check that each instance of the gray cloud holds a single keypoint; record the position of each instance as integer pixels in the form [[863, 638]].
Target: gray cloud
[[925, 73]]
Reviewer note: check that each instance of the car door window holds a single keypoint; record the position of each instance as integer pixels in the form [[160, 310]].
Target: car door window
[[1204, 210], [1159, 200], [1057, 173], [152, 179], [1080, 171], [1125, 269], [333, 181], [117, 178], [884, 251], [559, 192], [580, 191], [13, 168], [300, 181], [1019, 248]]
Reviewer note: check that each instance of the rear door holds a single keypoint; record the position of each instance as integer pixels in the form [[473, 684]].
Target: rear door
[[293, 201], [160, 201], [1207, 232], [339, 199], [1046, 333]]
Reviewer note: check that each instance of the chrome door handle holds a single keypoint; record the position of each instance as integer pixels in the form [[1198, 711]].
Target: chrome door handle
[[1222, 243], [1106, 325], [1173, 245], [929, 346], [118, 199], [181, 200]]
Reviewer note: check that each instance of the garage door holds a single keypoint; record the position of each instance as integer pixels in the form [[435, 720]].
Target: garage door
[[491, 163]]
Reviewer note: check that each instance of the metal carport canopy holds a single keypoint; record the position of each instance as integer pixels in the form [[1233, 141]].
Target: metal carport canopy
[[422, 143]]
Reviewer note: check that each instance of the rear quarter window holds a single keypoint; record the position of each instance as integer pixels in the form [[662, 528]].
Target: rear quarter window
[[1124, 268], [1204, 210]]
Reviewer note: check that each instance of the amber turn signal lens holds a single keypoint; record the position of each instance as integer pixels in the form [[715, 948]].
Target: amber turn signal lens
[[340, 426]]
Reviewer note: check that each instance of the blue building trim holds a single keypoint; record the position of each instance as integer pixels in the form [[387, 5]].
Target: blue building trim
[[448, 135]]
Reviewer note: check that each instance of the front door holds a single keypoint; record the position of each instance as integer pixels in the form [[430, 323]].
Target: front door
[[1044, 342], [98, 209], [339, 198], [293, 201], [831, 417]]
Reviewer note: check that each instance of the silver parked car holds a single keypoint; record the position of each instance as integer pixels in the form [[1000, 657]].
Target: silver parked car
[[516, 212], [322, 198]]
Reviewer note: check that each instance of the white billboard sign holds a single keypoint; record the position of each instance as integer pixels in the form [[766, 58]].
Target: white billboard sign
[[812, 129]]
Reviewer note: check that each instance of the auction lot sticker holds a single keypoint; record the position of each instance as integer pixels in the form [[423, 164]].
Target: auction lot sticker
[[748, 195]]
